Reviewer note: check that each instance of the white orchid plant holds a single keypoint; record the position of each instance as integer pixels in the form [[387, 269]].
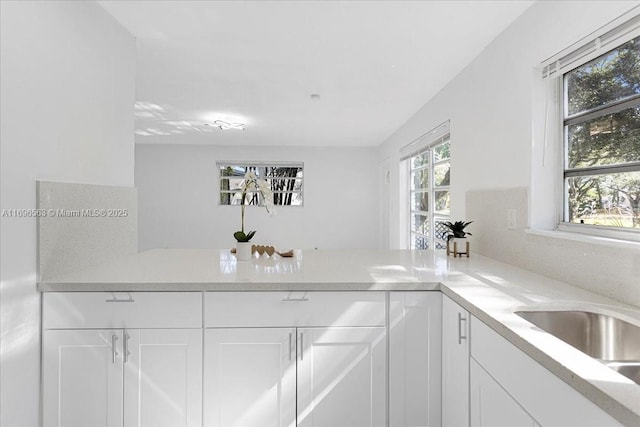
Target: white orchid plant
[[252, 184]]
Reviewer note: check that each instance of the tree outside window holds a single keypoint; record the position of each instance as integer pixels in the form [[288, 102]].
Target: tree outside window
[[602, 140], [284, 179], [429, 179]]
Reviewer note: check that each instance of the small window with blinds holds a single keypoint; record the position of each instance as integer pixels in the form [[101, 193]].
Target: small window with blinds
[[284, 178]]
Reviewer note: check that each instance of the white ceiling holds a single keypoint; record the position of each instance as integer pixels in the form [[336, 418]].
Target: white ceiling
[[373, 63]]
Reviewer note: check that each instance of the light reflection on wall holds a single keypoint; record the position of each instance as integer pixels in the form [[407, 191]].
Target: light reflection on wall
[[20, 323]]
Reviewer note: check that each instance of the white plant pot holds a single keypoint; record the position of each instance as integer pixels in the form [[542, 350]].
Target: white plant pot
[[243, 251], [457, 246]]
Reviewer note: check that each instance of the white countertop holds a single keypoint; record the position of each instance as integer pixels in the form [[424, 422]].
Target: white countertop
[[195, 269], [488, 289], [492, 291]]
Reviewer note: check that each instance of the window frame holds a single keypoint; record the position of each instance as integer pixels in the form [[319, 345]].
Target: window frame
[[433, 242], [566, 120], [248, 165], [547, 198]]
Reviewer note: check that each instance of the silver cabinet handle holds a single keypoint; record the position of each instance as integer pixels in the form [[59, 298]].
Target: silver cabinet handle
[[126, 351], [460, 320], [301, 346], [114, 298], [114, 352], [290, 345], [289, 299]]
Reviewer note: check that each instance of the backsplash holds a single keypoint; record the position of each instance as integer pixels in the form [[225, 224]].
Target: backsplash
[[606, 270], [84, 225]]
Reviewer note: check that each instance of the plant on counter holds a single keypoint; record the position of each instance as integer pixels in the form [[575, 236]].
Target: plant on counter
[[456, 230], [253, 184]]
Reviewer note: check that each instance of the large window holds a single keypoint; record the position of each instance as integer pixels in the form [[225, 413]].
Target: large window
[[284, 179], [601, 123], [429, 199]]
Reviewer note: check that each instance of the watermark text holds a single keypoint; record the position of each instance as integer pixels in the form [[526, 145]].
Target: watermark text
[[64, 213]]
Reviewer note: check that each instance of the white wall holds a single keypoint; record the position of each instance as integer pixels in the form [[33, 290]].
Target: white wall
[[67, 78], [491, 105], [178, 198]]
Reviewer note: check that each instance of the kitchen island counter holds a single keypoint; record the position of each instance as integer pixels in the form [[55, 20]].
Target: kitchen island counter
[[491, 291]]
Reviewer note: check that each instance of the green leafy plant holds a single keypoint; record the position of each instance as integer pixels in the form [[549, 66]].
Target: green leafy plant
[[240, 236], [456, 230]]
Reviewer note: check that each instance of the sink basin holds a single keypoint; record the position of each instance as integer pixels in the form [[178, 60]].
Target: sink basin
[[612, 341]]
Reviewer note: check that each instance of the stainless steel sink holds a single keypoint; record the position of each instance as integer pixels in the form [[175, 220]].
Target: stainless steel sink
[[612, 341]]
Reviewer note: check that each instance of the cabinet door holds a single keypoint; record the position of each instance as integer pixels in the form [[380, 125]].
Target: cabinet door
[[455, 364], [341, 377], [250, 377], [414, 358], [163, 377], [491, 405], [82, 378], [548, 399]]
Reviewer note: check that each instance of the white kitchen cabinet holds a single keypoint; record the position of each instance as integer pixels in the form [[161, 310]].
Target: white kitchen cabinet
[[82, 378], [100, 378], [543, 396], [126, 373], [491, 405], [414, 358], [163, 378], [260, 376], [342, 377], [327, 368], [287, 359], [250, 377], [455, 364]]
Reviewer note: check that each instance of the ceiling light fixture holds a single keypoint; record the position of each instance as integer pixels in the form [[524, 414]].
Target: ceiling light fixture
[[227, 125]]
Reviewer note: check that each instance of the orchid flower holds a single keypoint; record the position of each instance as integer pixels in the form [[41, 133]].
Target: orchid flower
[[252, 184]]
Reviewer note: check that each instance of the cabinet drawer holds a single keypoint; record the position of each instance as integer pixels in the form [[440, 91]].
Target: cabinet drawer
[[286, 309], [73, 310]]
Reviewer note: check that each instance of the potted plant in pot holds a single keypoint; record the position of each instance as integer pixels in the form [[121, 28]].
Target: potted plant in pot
[[457, 243], [251, 184]]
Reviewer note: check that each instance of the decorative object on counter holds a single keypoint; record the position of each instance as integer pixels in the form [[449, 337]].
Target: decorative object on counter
[[457, 243], [251, 184], [260, 250], [269, 250]]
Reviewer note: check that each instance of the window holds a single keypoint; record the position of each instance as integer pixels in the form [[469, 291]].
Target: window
[[285, 180], [428, 171], [601, 123]]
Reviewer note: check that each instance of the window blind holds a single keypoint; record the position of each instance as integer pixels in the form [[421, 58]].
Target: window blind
[[434, 136], [618, 31]]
